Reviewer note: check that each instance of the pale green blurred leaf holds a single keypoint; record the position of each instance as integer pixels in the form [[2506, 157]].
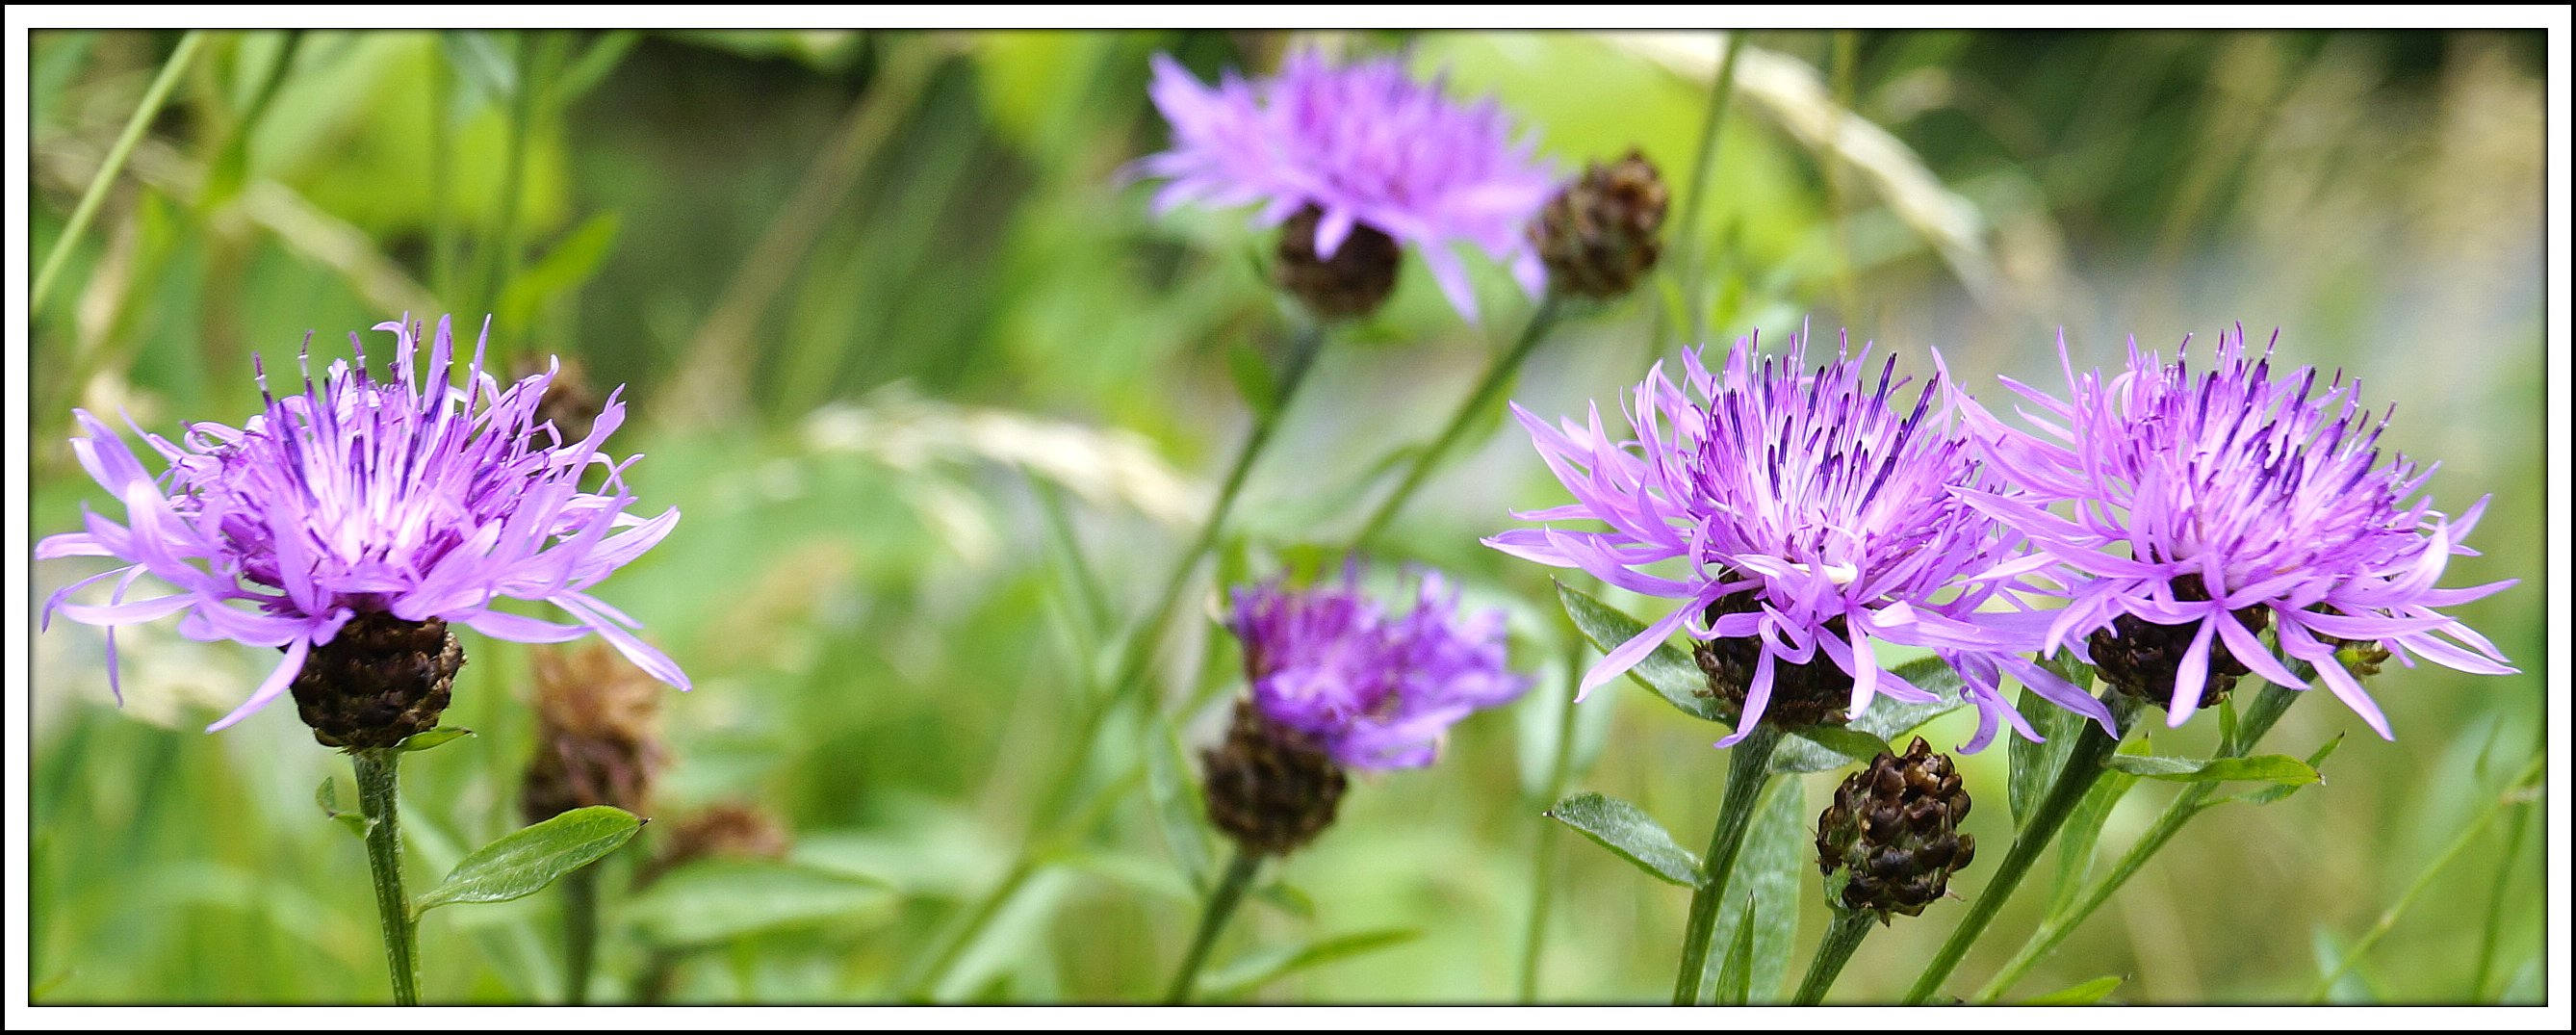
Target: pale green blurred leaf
[[2084, 994], [718, 900], [1250, 973]]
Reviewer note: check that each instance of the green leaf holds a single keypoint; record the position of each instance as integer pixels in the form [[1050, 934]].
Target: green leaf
[[1253, 379], [427, 739], [2035, 766], [1779, 850], [718, 900], [568, 266], [1667, 671], [2085, 994], [480, 63], [1288, 898], [1176, 804], [1819, 748], [2276, 792], [1630, 834], [1735, 977], [1261, 968], [2082, 831], [2277, 769], [524, 861], [328, 796]]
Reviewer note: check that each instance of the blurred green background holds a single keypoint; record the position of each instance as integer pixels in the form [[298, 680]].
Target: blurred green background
[[884, 303]]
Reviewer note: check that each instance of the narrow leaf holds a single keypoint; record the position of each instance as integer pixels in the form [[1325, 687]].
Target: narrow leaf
[[2082, 831], [1667, 670], [1176, 807], [1630, 834], [427, 739], [568, 266], [2276, 769], [2084, 994], [1261, 968], [2035, 766], [328, 796], [2268, 795], [1252, 379], [1779, 852], [1735, 979], [523, 862]]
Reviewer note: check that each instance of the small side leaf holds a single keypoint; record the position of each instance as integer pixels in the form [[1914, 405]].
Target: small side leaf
[[427, 739], [2084, 994], [1176, 803], [2035, 766], [523, 862], [1261, 968], [1735, 980], [2274, 769], [1666, 670], [328, 796], [1630, 834], [2276, 792], [1252, 378], [1779, 852], [2082, 831]]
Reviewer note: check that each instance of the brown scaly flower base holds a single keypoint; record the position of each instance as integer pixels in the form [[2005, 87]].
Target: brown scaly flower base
[[379, 681], [1354, 282], [2142, 659], [1267, 792], [1604, 231], [1895, 826], [1801, 695]]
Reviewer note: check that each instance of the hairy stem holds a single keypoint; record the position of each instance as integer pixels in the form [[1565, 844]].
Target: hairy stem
[[376, 784], [1747, 772], [1845, 935], [2083, 768], [1220, 908], [1498, 375]]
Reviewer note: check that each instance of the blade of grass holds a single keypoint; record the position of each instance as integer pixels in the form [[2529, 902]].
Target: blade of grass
[[87, 209]]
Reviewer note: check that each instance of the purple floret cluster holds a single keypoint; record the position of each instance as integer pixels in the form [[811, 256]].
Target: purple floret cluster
[[1371, 689], [410, 496], [1807, 510], [1365, 144]]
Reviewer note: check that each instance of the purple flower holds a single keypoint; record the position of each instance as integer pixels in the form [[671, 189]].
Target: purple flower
[[1368, 146], [1794, 514], [1372, 690], [411, 497], [2224, 500]]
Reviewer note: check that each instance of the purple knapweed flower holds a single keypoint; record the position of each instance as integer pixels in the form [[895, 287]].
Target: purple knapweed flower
[[2219, 501], [1797, 512], [413, 497], [1371, 689], [1367, 145]]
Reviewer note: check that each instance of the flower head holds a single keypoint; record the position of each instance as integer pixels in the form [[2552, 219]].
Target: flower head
[[410, 500], [1371, 689], [1367, 146], [2203, 506], [1797, 513]]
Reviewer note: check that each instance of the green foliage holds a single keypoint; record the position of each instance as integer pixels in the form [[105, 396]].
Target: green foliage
[[523, 862], [1630, 834], [2281, 770], [719, 900]]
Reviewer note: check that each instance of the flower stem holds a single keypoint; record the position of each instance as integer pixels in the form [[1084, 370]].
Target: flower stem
[[1747, 772], [1498, 374], [2083, 769], [581, 931], [376, 780], [87, 209], [1220, 908], [1542, 853], [1849, 927], [2258, 720], [1686, 233]]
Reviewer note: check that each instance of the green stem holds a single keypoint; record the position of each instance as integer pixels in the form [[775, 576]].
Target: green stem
[[442, 201], [581, 931], [2083, 768], [2497, 896], [2258, 720], [376, 781], [501, 258], [1220, 908], [2513, 795], [96, 194], [1747, 772], [1498, 375], [1686, 235], [1542, 853], [1840, 939]]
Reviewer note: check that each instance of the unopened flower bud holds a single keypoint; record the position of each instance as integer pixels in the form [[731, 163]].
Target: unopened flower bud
[[380, 680], [598, 734], [1353, 282], [1603, 232], [1895, 827], [1266, 789]]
